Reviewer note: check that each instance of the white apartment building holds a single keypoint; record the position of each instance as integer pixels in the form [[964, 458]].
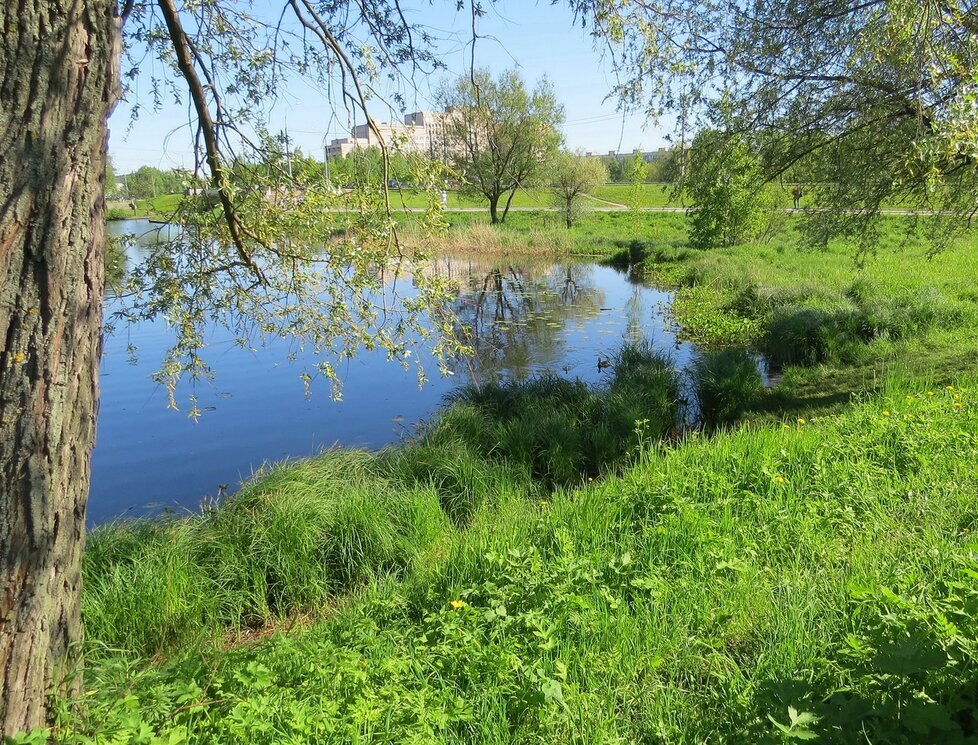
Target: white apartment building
[[421, 132]]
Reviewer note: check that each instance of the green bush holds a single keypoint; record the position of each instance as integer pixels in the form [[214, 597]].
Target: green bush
[[796, 335], [560, 431], [727, 382]]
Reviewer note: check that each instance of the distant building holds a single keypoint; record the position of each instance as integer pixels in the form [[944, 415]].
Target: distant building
[[648, 156], [421, 132]]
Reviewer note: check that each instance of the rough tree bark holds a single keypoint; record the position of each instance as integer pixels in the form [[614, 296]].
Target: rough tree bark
[[58, 83]]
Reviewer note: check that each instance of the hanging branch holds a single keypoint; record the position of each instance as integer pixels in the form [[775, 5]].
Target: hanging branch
[[181, 46]]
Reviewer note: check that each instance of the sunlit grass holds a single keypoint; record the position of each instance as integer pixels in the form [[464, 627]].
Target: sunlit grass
[[817, 565]]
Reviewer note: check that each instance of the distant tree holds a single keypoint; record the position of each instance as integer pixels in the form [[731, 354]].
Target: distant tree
[[147, 182], [615, 167], [572, 175], [110, 177], [723, 184], [499, 134], [665, 168]]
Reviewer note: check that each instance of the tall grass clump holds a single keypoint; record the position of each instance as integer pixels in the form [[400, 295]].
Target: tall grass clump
[[560, 431], [727, 382], [286, 543]]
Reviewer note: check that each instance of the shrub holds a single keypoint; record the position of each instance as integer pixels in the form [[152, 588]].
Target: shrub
[[727, 381], [796, 336]]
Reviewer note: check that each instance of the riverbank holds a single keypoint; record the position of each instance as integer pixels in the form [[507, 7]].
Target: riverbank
[[833, 326], [801, 577]]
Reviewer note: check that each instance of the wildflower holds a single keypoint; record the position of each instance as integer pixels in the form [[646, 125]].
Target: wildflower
[[544, 503], [779, 479], [457, 604], [801, 420], [886, 412], [785, 426], [930, 393], [909, 397], [958, 405], [949, 388], [590, 479]]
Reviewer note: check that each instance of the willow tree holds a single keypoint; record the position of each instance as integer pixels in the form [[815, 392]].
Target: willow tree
[[500, 134], [877, 100], [248, 259]]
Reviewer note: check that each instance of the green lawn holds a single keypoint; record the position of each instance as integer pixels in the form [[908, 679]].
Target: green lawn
[[648, 195]]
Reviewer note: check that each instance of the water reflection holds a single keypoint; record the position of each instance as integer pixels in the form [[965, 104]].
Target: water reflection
[[526, 317]]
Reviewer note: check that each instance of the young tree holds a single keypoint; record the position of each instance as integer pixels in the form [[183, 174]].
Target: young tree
[[724, 184], [635, 173], [572, 175], [499, 134]]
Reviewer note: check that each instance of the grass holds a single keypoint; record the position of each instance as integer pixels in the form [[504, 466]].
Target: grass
[[304, 534], [835, 326], [162, 207], [648, 195], [547, 563], [727, 383], [772, 583], [594, 234]]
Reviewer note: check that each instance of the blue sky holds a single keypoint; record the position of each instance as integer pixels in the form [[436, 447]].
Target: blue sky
[[539, 38]]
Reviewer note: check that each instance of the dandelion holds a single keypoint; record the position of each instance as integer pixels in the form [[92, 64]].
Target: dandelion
[[958, 405], [544, 503], [909, 397], [949, 388], [457, 604], [779, 479], [801, 420], [886, 412]]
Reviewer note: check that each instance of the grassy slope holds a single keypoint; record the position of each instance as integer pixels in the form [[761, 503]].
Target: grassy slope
[[711, 587], [839, 326]]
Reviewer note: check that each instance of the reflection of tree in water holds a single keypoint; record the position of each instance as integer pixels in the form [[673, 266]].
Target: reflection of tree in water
[[516, 313]]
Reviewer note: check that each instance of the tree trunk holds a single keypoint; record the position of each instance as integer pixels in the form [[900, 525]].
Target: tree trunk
[[58, 83], [509, 201], [494, 210]]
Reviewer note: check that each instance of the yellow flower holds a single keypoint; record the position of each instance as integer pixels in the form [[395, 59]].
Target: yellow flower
[[544, 503], [778, 479], [909, 398], [958, 406], [457, 604], [785, 426], [801, 420], [590, 479], [886, 412], [949, 388]]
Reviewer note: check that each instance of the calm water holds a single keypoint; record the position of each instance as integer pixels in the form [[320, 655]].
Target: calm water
[[528, 317]]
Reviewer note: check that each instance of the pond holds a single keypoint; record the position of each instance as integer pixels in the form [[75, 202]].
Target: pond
[[528, 317]]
